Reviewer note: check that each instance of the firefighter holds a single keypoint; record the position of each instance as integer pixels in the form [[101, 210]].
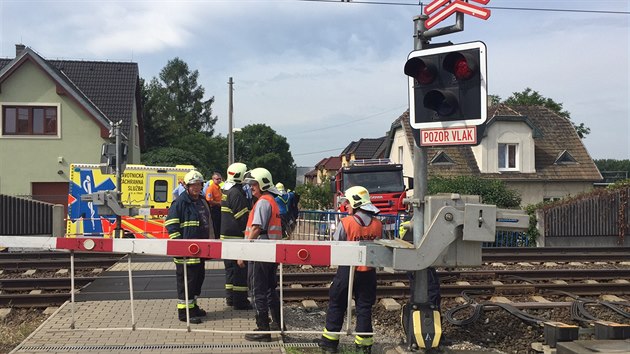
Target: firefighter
[[189, 218], [213, 197], [234, 214], [360, 225], [263, 223], [285, 201]]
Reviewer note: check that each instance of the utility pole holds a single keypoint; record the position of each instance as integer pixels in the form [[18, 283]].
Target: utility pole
[[230, 123]]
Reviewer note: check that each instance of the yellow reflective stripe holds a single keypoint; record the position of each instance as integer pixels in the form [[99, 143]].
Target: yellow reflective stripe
[[241, 213], [223, 197], [187, 261], [330, 336], [365, 341], [229, 286], [171, 221], [183, 306], [226, 210], [175, 234], [226, 237], [239, 288], [190, 223]]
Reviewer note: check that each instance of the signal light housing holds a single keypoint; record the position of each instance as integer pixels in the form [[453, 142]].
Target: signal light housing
[[447, 86]]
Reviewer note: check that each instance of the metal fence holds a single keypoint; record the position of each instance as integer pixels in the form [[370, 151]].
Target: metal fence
[[21, 216], [321, 225], [602, 213]]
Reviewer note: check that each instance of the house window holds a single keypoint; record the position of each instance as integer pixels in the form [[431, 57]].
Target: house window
[[400, 154], [29, 120], [508, 157]]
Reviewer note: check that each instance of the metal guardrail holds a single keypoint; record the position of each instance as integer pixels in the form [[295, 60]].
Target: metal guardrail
[[317, 225]]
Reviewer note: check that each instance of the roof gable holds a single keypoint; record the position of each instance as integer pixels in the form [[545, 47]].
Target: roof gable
[[365, 148], [107, 91]]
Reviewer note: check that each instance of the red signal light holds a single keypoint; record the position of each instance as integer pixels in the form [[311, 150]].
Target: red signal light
[[423, 72], [462, 66]]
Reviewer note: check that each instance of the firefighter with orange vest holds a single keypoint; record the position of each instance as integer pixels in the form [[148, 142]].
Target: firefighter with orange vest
[[360, 225], [263, 223]]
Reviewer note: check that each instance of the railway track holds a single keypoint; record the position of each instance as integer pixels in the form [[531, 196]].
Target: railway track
[[15, 292]]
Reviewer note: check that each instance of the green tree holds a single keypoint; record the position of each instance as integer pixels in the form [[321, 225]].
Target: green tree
[[258, 145], [530, 97], [491, 191], [174, 107], [315, 196]]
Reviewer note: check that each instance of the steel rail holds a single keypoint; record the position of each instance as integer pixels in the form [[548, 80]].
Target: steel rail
[[48, 264], [26, 284]]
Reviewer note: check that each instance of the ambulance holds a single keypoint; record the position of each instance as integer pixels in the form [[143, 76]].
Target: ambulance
[[148, 187]]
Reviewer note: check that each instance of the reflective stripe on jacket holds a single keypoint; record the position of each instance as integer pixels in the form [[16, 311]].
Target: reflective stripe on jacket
[[274, 225], [355, 231]]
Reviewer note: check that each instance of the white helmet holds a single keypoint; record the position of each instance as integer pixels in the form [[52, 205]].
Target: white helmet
[[280, 186], [192, 177], [263, 177], [359, 198], [236, 172]]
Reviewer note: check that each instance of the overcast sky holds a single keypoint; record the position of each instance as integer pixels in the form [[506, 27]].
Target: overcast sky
[[323, 74]]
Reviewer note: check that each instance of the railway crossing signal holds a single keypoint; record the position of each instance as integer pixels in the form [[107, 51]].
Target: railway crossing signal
[[447, 86]]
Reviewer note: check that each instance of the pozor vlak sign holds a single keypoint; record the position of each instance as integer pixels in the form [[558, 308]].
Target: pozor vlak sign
[[448, 92]]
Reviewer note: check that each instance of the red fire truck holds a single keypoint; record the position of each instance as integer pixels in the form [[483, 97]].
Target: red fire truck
[[383, 179]]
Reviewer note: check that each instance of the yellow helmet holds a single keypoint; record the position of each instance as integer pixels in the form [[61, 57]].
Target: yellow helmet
[[192, 177], [262, 176], [236, 172], [280, 186], [359, 198]]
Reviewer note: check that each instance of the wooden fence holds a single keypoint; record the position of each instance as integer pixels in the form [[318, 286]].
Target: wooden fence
[[598, 214]]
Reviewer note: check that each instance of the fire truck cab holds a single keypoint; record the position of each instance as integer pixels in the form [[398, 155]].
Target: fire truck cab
[[380, 177]]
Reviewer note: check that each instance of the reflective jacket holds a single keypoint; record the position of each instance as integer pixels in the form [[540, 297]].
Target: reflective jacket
[[234, 212], [182, 222], [274, 225], [356, 231]]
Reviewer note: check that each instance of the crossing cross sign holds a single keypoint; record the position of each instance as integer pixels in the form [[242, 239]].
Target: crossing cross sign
[[453, 7]]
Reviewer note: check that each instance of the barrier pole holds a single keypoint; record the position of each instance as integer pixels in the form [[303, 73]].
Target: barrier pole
[[133, 317], [72, 288], [349, 309], [281, 301], [186, 294]]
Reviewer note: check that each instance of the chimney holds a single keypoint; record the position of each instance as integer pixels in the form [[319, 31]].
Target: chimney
[[19, 48]]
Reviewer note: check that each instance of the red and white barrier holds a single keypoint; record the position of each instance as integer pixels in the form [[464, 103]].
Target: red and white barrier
[[321, 253]]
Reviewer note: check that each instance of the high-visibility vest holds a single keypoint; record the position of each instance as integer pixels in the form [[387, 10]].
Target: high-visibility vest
[[358, 232], [274, 225], [214, 192]]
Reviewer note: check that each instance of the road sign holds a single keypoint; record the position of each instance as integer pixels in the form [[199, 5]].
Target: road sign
[[448, 136], [453, 7]]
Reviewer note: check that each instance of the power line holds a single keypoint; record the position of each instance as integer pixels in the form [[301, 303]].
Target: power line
[[317, 152], [609, 12], [350, 122]]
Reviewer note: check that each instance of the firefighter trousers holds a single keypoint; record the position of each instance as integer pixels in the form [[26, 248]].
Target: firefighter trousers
[[196, 274], [235, 283], [364, 292], [263, 284]]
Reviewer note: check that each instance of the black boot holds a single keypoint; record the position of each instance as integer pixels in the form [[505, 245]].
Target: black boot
[[262, 324], [327, 345], [181, 314], [197, 312], [240, 301]]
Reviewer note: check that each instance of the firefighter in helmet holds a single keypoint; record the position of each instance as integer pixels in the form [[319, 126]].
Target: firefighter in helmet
[[189, 218], [360, 225], [234, 213], [263, 223]]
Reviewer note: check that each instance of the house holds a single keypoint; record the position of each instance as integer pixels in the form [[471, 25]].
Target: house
[[57, 112], [325, 168], [365, 148], [531, 148]]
